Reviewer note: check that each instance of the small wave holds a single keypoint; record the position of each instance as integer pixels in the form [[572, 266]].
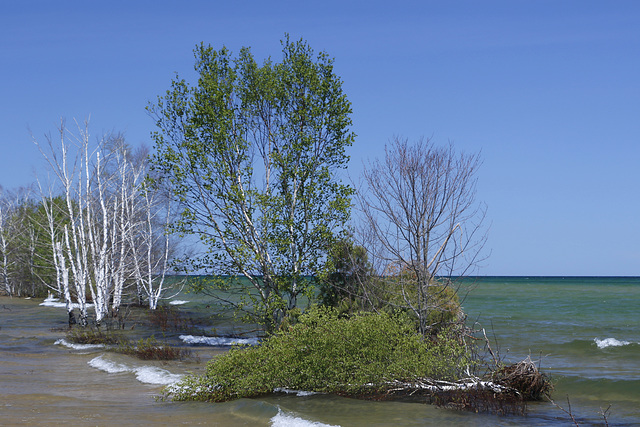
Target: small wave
[[74, 346], [287, 420], [144, 374], [108, 366], [178, 302], [610, 342], [218, 341], [299, 393], [153, 375]]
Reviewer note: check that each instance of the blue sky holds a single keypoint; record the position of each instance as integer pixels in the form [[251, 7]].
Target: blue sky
[[548, 91]]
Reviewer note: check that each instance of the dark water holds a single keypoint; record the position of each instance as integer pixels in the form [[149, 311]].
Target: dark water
[[586, 331]]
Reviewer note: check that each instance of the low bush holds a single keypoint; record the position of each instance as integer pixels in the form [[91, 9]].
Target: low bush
[[79, 335], [169, 318], [360, 355], [146, 349], [151, 349]]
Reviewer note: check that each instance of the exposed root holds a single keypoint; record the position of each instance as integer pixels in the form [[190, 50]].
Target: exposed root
[[508, 402]]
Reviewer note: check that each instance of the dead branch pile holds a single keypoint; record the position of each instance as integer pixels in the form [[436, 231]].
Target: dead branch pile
[[526, 378]]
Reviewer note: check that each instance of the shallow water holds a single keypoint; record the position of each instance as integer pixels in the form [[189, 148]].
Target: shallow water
[[43, 383]]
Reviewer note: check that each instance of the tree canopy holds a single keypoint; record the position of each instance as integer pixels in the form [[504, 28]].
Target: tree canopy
[[253, 154]]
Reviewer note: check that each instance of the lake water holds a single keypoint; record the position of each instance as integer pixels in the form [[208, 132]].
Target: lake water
[[585, 330]]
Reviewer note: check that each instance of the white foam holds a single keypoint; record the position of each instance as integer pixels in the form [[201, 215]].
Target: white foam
[[609, 342], [288, 420], [74, 346], [177, 302], [144, 374], [108, 366], [299, 393], [218, 341], [153, 375]]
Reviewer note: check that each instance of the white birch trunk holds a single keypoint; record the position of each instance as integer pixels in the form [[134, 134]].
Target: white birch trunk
[[63, 279]]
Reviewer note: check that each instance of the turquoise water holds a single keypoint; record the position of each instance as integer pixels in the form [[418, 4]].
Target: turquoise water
[[584, 331]]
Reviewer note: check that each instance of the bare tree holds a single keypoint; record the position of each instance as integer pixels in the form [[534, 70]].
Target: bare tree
[[113, 236], [421, 223]]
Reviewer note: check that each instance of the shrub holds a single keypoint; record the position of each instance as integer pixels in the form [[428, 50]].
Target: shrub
[[151, 349], [169, 318], [350, 284], [356, 356], [92, 336]]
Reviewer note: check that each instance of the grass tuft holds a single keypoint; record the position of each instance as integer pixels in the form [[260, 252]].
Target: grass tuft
[[151, 349], [93, 336]]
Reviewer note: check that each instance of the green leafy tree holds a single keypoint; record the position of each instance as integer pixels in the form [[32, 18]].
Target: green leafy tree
[[37, 258], [252, 154], [23, 249], [346, 276]]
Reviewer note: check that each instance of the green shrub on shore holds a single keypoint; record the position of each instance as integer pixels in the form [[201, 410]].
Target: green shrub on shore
[[356, 356]]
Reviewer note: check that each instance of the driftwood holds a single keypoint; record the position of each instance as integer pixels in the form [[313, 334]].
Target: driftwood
[[505, 391], [469, 394]]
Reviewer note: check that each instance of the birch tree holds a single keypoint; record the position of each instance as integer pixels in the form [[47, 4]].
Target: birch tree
[[5, 236], [54, 209], [253, 154], [146, 212], [66, 159], [106, 199], [150, 245]]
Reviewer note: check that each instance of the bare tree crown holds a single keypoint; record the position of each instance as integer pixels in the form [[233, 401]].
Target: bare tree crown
[[420, 217]]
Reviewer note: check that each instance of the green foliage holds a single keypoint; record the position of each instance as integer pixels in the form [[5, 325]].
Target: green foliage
[[347, 271], [443, 306], [323, 352], [446, 307], [252, 154], [350, 285], [26, 255]]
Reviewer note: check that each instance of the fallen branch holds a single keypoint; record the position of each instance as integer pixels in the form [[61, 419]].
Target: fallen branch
[[468, 394], [505, 391]]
